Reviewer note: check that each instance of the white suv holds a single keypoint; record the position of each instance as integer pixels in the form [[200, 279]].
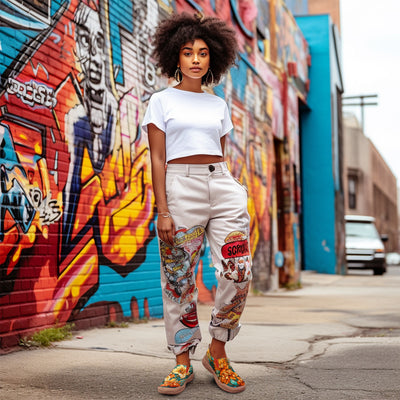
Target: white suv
[[364, 246]]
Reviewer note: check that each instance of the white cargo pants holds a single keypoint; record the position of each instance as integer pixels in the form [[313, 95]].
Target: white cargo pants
[[203, 200]]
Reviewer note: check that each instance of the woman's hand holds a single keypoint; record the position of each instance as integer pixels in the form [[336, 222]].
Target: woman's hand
[[166, 229]]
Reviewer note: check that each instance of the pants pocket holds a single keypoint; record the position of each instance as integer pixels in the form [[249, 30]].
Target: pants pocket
[[237, 182], [170, 184]]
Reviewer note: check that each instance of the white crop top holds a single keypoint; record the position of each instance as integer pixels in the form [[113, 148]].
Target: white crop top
[[193, 122]]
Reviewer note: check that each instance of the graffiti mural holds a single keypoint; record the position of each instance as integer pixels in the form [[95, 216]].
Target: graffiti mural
[[77, 212], [75, 179]]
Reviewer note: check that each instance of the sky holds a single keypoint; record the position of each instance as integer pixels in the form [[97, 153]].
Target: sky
[[370, 32]]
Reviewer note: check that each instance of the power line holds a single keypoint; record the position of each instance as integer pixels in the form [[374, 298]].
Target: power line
[[361, 103]]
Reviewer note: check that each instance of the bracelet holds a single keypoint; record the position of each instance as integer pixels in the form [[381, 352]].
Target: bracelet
[[165, 215]]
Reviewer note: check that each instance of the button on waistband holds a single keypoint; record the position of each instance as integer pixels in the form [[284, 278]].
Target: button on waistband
[[211, 168]]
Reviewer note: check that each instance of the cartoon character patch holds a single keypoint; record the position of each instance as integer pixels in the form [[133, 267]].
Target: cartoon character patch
[[229, 315], [237, 259], [176, 265], [179, 263]]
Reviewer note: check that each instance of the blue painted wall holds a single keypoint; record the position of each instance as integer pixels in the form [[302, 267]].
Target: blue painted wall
[[318, 183]]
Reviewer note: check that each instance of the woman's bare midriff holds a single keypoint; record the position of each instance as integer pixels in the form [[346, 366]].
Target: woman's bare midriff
[[197, 159]]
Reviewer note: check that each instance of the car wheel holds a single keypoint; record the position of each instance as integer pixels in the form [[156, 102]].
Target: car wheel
[[379, 271]]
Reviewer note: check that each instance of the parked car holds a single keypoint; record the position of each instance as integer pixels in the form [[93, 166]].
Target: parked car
[[364, 245]]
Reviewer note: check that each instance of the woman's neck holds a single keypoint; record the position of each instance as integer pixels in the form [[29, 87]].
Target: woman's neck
[[190, 85]]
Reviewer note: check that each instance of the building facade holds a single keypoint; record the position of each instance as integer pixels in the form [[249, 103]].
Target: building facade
[[331, 7], [316, 7], [321, 140], [322, 150], [370, 185], [77, 224]]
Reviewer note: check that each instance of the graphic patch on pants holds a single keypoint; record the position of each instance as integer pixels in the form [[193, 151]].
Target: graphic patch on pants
[[189, 319], [237, 260], [192, 330], [179, 263], [228, 316]]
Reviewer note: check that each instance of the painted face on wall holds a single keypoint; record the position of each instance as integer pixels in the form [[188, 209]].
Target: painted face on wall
[[90, 43]]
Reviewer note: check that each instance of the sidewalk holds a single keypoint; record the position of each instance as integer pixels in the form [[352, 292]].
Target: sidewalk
[[336, 338]]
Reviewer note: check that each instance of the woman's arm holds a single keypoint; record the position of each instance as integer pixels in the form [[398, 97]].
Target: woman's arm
[[223, 145], [165, 226]]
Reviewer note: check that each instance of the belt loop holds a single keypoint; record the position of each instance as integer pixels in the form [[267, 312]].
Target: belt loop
[[187, 169]]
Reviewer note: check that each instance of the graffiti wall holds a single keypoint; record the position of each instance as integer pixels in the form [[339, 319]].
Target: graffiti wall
[[77, 221]]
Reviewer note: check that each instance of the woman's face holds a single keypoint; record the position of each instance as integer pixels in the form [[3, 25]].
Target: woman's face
[[194, 59]]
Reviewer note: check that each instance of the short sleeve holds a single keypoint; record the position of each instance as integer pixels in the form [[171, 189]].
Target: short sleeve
[[154, 114], [227, 125]]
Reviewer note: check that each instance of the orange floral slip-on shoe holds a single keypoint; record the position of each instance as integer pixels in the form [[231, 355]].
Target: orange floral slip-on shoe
[[224, 375], [177, 380]]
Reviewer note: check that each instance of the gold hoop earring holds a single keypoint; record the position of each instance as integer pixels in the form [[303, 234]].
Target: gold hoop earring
[[178, 75], [209, 77]]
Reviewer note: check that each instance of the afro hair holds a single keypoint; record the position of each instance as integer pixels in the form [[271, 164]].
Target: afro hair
[[178, 29]]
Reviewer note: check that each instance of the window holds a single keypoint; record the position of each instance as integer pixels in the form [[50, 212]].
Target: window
[[352, 192]]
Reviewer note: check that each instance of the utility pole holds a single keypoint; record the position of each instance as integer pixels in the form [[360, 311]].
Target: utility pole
[[361, 103]]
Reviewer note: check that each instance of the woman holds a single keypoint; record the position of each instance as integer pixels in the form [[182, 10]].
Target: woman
[[196, 195]]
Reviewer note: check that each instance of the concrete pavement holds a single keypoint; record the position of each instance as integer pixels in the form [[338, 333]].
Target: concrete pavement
[[336, 338]]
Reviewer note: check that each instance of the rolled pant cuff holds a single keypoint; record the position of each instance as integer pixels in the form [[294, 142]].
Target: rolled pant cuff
[[223, 334], [179, 349]]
